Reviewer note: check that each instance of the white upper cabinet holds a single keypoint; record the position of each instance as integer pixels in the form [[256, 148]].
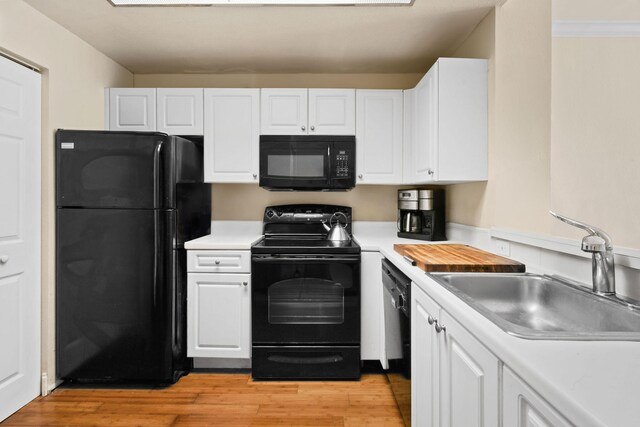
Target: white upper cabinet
[[179, 111], [307, 111], [379, 136], [283, 111], [448, 135], [332, 111], [132, 109], [231, 135]]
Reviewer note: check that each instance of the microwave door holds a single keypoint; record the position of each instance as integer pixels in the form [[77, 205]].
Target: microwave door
[[294, 165]]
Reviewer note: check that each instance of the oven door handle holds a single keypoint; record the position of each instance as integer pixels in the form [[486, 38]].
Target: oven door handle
[[306, 258]]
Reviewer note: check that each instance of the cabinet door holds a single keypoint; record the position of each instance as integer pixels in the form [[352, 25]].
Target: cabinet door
[[132, 109], [408, 135], [180, 111], [231, 135], [523, 407], [219, 315], [283, 111], [372, 314], [379, 136], [424, 361], [424, 143], [462, 120], [332, 111], [469, 391]]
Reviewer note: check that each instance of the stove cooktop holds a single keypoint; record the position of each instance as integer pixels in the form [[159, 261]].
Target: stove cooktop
[[269, 245]]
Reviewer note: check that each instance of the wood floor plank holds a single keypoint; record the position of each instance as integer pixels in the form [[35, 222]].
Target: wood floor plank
[[219, 400], [186, 409]]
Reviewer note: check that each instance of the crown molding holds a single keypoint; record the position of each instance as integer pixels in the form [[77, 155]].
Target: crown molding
[[596, 28]]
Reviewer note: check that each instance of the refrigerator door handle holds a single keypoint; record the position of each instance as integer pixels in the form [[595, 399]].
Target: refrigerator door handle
[[157, 168]]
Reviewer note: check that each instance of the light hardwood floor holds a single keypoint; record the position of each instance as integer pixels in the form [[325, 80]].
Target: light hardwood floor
[[220, 400]]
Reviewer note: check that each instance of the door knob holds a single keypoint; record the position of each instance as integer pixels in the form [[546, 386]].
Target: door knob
[[4, 259]]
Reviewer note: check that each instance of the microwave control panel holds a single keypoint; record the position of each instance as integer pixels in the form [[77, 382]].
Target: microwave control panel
[[342, 164]]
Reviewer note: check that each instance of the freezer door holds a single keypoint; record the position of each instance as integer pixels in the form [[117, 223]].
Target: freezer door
[[116, 295], [114, 169]]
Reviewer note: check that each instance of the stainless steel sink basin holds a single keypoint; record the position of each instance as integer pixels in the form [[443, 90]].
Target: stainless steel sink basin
[[544, 307]]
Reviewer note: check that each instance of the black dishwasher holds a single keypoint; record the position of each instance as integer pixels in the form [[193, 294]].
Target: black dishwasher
[[397, 321]]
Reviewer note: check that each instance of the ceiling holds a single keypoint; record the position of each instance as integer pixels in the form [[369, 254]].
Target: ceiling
[[271, 39]]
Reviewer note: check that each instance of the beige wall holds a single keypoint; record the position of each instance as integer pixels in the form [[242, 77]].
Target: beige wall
[[74, 76], [596, 10], [517, 40], [247, 202], [595, 147]]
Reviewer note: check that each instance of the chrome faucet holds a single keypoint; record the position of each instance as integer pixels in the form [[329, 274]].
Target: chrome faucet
[[598, 243]]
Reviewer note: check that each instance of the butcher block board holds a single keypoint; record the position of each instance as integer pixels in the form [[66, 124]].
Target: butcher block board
[[455, 258]]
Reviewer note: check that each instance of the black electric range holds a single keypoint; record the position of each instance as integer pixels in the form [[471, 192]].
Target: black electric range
[[305, 296]]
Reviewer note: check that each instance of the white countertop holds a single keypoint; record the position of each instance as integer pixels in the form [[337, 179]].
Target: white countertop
[[584, 380], [592, 383], [235, 235]]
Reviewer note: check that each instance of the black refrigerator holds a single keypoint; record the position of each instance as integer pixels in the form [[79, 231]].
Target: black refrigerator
[[125, 204]]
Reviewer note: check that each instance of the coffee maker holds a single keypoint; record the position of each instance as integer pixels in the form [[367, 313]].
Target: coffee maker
[[421, 214]]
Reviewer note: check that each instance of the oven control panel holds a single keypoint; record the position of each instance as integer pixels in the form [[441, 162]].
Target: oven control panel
[[289, 218]]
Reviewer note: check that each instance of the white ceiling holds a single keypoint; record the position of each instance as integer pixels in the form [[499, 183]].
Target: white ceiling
[[271, 39]]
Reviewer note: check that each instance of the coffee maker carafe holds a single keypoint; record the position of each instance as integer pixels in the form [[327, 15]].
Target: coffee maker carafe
[[421, 214]]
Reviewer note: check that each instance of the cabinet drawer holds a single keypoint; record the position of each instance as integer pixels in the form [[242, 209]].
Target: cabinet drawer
[[218, 261]]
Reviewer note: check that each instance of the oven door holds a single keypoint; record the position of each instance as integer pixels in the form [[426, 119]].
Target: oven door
[[306, 299], [289, 164]]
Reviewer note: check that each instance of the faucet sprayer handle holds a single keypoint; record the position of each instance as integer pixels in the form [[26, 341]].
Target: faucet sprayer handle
[[593, 232]]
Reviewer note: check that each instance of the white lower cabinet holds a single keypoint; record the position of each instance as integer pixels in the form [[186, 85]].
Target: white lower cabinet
[[219, 315], [372, 309], [455, 380], [523, 407]]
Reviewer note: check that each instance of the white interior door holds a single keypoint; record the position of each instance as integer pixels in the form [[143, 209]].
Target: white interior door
[[19, 236]]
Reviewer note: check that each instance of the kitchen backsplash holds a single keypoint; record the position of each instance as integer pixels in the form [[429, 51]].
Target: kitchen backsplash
[[247, 201]]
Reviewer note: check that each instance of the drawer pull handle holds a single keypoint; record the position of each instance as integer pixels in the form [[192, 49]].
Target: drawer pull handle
[[245, 284], [217, 262]]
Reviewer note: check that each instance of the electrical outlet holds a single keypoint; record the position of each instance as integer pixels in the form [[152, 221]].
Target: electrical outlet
[[503, 247]]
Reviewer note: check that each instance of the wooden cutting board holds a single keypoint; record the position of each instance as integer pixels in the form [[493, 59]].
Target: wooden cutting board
[[451, 258]]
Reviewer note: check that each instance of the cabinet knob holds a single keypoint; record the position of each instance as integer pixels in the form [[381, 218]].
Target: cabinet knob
[[360, 176], [431, 320], [255, 175], [217, 262], [440, 328], [430, 171], [303, 128], [4, 259], [313, 127], [245, 283]]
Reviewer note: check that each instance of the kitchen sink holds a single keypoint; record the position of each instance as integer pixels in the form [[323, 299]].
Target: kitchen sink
[[544, 307]]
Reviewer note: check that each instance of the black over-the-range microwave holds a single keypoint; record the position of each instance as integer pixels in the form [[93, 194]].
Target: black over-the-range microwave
[[307, 162]]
